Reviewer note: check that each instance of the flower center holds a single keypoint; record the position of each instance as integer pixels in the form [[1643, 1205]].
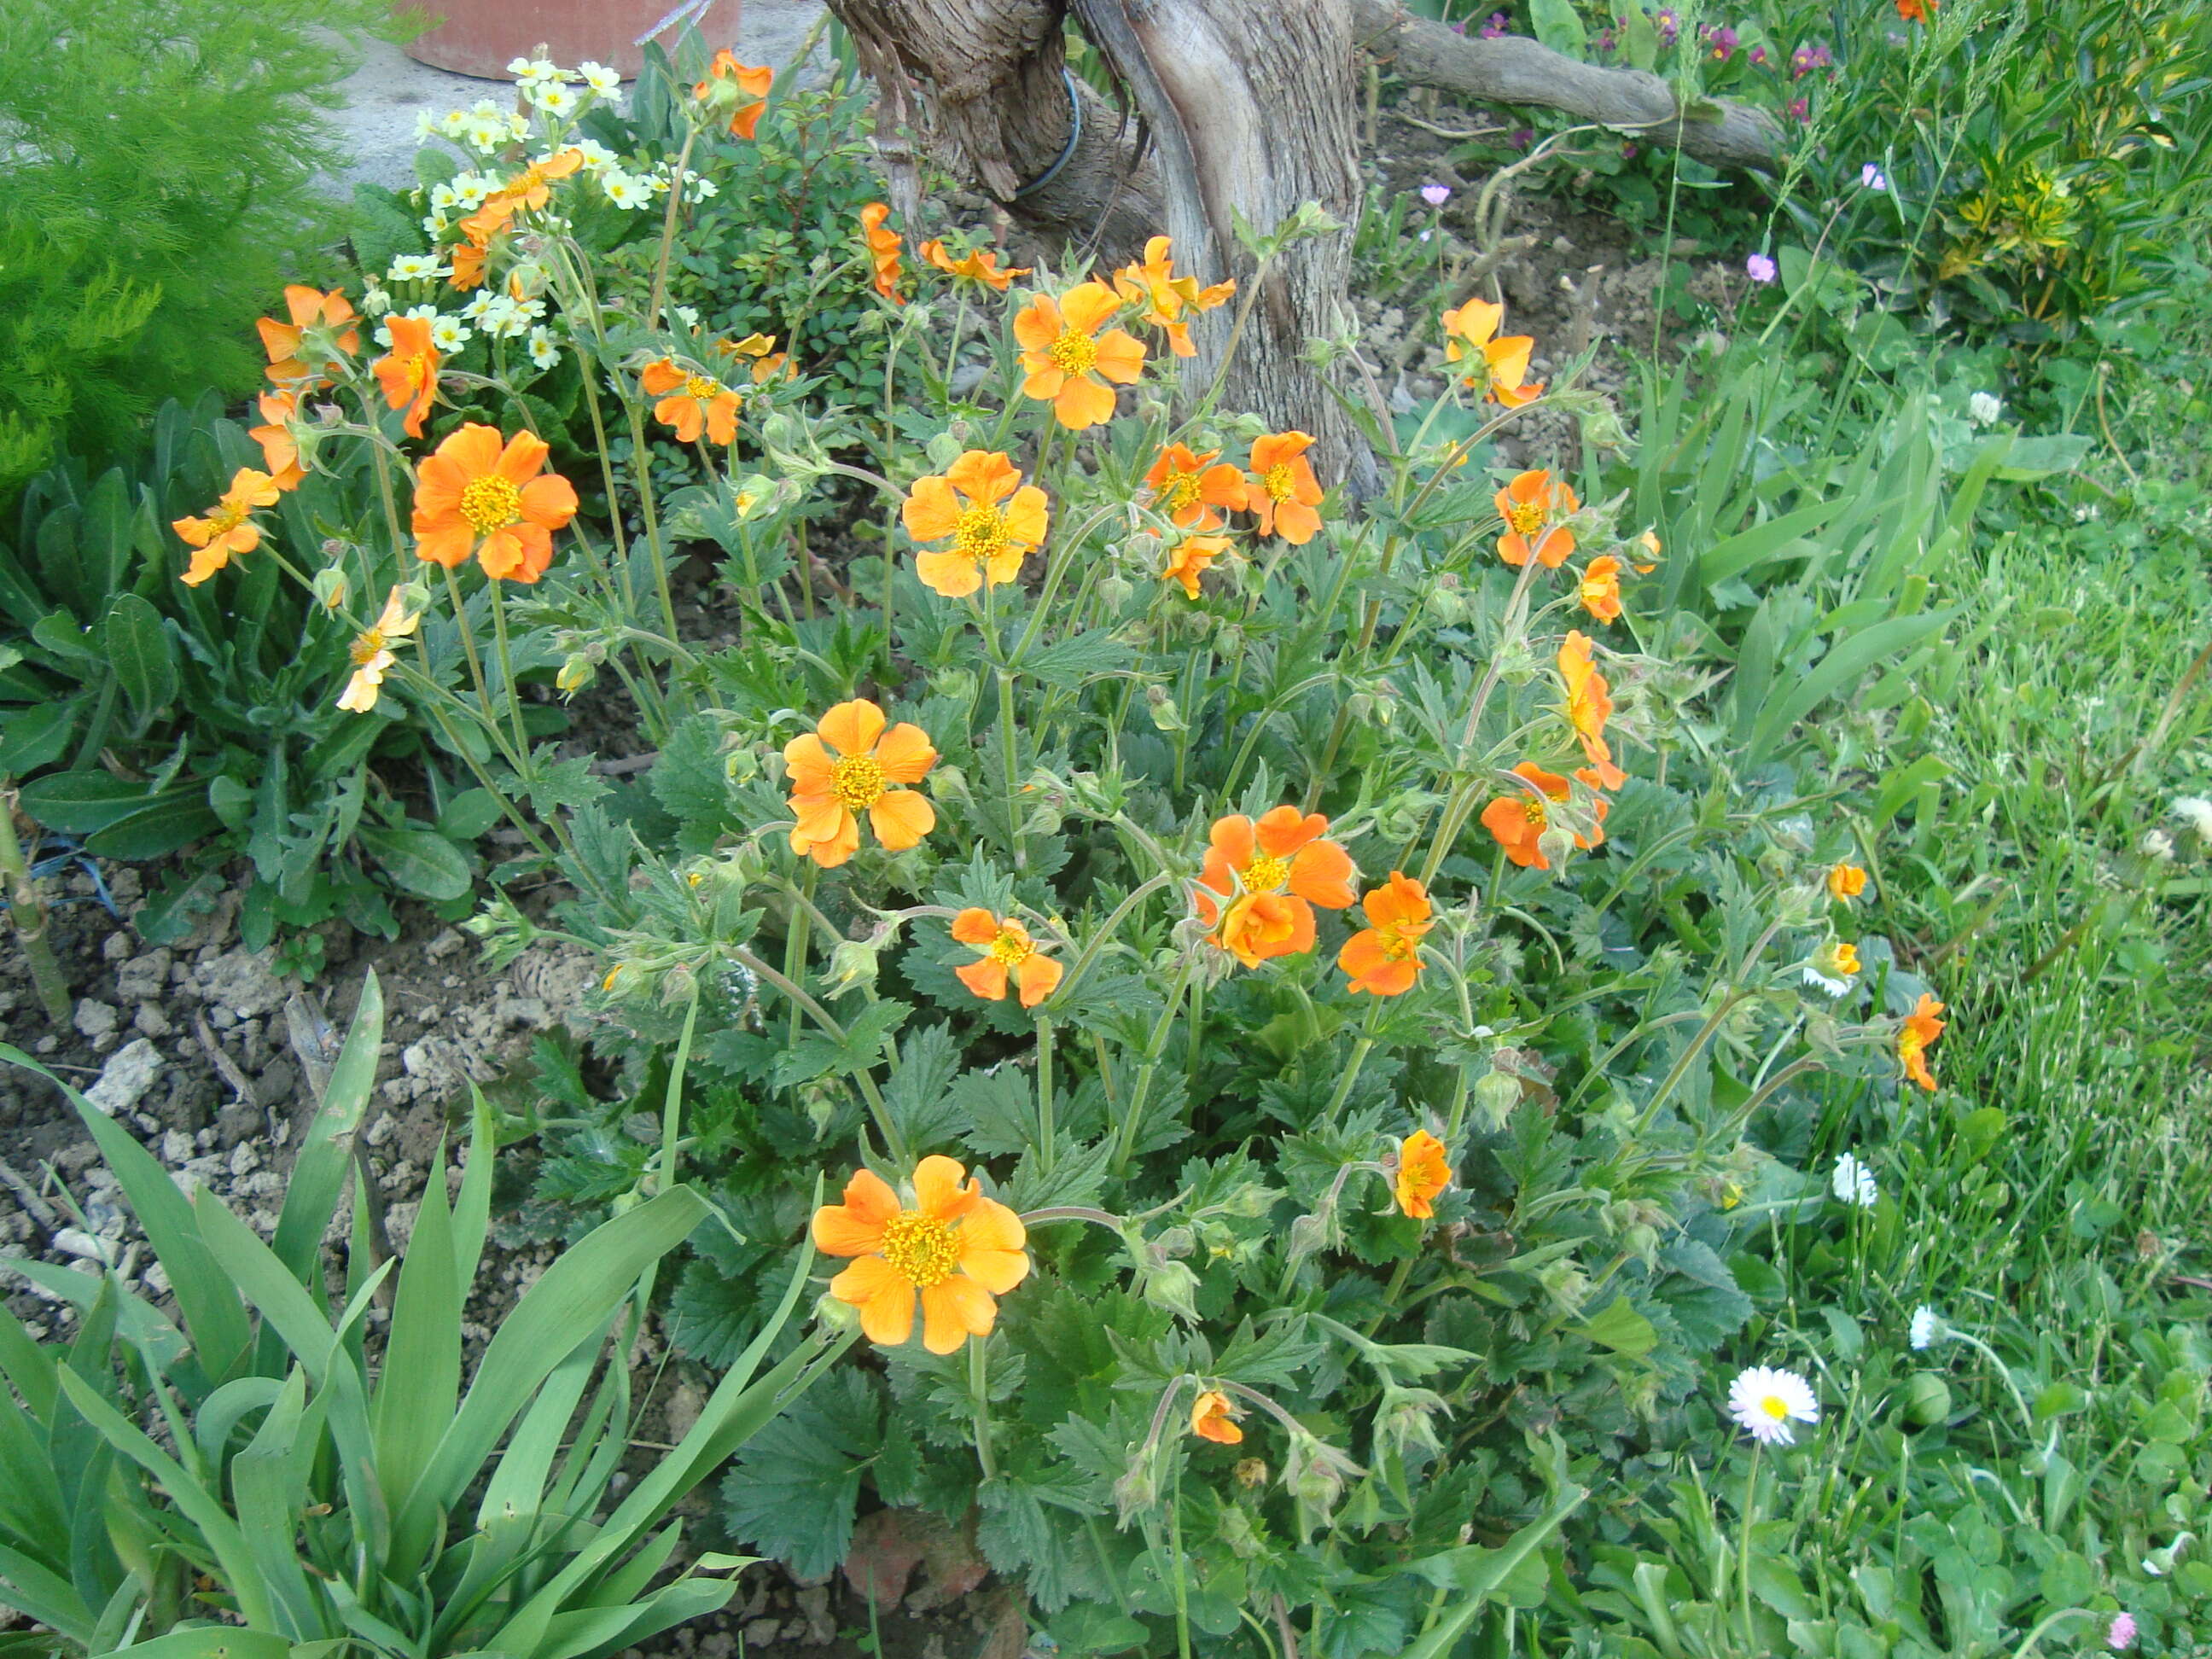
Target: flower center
[[1074, 352], [979, 532], [699, 386], [1179, 492], [858, 780], [1011, 949], [490, 503], [1265, 873], [1398, 941], [1775, 1406], [1539, 819], [1526, 518], [366, 648], [1277, 482], [920, 1248], [227, 516], [418, 371]]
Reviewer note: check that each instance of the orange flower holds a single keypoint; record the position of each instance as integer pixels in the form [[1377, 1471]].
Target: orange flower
[[1212, 1416], [1519, 820], [990, 540], [752, 84], [980, 266], [1599, 591], [372, 653], [1530, 506], [956, 1247], [1501, 367], [1005, 944], [468, 259], [1063, 354], [1589, 705], [767, 361], [847, 766], [1422, 1174], [1915, 11], [1188, 559], [1846, 882], [321, 324], [690, 403], [229, 528], [531, 188], [280, 451], [1188, 487], [471, 495], [1261, 881], [883, 250], [408, 372], [1165, 296], [1384, 957], [1649, 541], [1920, 1028], [1284, 491]]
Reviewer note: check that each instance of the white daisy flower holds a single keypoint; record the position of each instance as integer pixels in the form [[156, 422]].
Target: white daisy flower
[[1984, 409], [553, 98], [479, 302], [443, 195], [434, 226], [622, 189], [415, 268], [1853, 1183], [426, 127], [655, 182], [2157, 845], [2196, 812], [448, 334], [698, 187], [596, 154], [534, 72], [1765, 1402], [598, 78], [454, 123], [542, 351], [486, 133], [1927, 1326]]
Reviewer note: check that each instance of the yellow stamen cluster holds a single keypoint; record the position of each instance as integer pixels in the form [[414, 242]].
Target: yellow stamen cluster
[[698, 385], [858, 781], [1010, 948], [1526, 518], [1265, 873], [490, 503], [1182, 491], [981, 531], [1074, 352], [920, 1248], [1537, 817], [364, 647], [1277, 482]]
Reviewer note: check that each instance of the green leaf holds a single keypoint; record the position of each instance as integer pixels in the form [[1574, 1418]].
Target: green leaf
[[1620, 1328], [797, 1485], [1762, 544], [1557, 25], [1071, 662], [1480, 1575], [2030, 458], [419, 861], [319, 1174], [80, 803], [1846, 663], [154, 834], [38, 736], [209, 1642], [144, 657]]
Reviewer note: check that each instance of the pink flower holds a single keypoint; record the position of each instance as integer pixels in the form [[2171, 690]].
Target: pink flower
[[1798, 109], [1435, 195], [2122, 1633], [1495, 29], [1759, 268], [1873, 178]]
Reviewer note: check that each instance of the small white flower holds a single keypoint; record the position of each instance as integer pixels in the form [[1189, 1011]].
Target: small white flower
[[426, 127], [518, 128], [622, 190], [534, 72], [415, 268], [598, 76], [698, 187], [486, 133], [375, 300], [2196, 812], [1853, 1182], [553, 98], [2158, 846], [434, 226], [449, 335], [596, 154], [1873, 178], [1927, 1325], [687, 315], [542, 351], [479, 302], [1984, 409], [1765, 1402], [519, 68], [454, 123]]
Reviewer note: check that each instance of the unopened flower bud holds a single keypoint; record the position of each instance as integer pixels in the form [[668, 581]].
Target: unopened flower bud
[[678, 984], [331, 586], [1114, 592], [575, 674], [1497, 1093], [1927, 1399], [852, 965], [1556, 845], [834, 1315], [1172, 1288], [948, 783], [1175, 1243], [1161, 706], [1137, 1491]]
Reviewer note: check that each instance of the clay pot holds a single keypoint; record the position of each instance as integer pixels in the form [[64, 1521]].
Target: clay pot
[[481, 37]]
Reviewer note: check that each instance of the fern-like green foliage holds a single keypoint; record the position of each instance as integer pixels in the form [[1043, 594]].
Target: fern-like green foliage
[[166, 163]]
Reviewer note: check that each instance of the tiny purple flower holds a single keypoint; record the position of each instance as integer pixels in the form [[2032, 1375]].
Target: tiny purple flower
[[1759, 268], [1522, 137], [1798, 109], [1723, 41], [1628, 152], [1757, 57], [1670, 24], [2122, 1634], [1806, 58], [1873, 178], [1605, 43], [1435, 195], [1495, 29]]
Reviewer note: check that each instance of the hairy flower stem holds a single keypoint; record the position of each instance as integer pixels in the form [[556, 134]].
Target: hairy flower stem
[[28, 911], [672, 1107], [1126, 1144], [1743, 1549], [1010, 760], [491, 723], [1461, 807], [979, 1389], [507, 666], [894, 1140], [668, 230], [1047, 1152]]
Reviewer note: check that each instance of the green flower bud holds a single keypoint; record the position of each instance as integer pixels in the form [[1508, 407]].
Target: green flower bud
[[1927, 1399]]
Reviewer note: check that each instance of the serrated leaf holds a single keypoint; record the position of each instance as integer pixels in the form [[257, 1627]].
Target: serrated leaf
[[797, 1483], [1071, 662]]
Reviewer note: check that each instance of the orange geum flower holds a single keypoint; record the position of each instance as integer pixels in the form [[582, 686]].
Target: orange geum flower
[[1284, 491], [1500, 366], [280, 450], [1914, 12], [408, 372], [468, 262], [955, 1247], [1260, 882], [1532, 506], [1006, 948], [228, 529], [531, 188], [1188, 487], [1422, 1174], [1920, 1028], [1064, 355], [691, 403], [1384, 957], [1845, 881], [1214, 1418], [750, 91], [1589, 705], [847, 766], [474, 496], [1519, 820], [991, 534], [883, 250], [321, 324], [980, 266], [372, 652], [1165, 296], [1599, 592], [765, 361], [1189, 559]]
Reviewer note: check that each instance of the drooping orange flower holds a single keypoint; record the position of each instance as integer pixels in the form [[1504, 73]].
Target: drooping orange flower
[[1422, 1174], [1532, 506], [1189, 487], [1261, 881], [472, 495], [1284, 491], [228, 529], [848, 765], [1915, 11], [408, 372], [1589, 705], [1920, 1028], [1649, 541], [751, 85], [372, 652], [468, 262], [280, 451], [1520, 819], [759, 352], [690, 403], [1498, 366], [1165, 297], [1599, 592], [1846, 882], [883, 250], [301, 350], [1006, 948], [991, 534], [1067, 362], [1384, 957], [1189, 559], [955, 1247], [1214, 1418], [980, 266]]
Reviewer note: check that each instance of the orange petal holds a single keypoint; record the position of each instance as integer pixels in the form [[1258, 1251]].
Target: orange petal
[[1282, 830], [1027, 515], [550, 500], [937, 1189], [930, 512], [524, 458], [1087, 305], [974, 925], [987, 978], [1036, 325], [952, 574], [883, 1296], [1122, 355], [901, 817], [905, 753], [983, 476], [952, 1310], [1084, 402], [852, 728], [1322, 873], [1039, 975]]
